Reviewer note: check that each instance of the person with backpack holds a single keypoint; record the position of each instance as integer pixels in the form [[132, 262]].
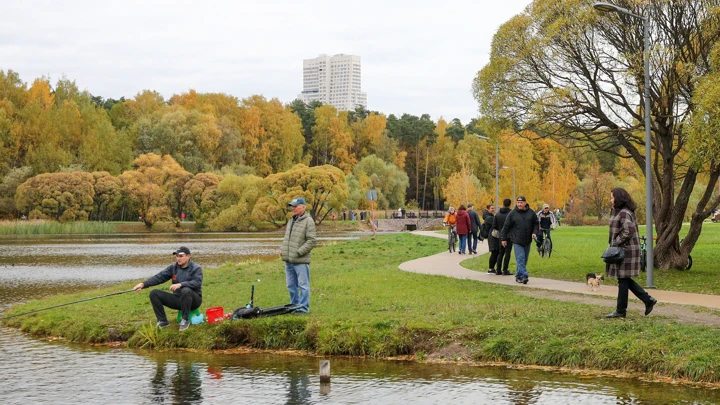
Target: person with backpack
[[503, 258], [475, 225], [493, 242]]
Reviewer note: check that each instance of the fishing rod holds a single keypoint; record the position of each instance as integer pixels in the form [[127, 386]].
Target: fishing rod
[[68, 303]]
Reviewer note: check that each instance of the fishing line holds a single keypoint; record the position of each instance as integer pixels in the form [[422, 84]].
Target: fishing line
[[68, 303]]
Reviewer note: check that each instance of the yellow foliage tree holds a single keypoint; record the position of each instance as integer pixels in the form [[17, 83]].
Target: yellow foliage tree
[[463, 188]]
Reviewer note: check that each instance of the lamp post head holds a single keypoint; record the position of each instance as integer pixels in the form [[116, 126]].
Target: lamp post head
[[606, 7]]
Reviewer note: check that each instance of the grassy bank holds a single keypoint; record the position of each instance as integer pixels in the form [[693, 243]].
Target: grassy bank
[[362, 305], [577, 250]]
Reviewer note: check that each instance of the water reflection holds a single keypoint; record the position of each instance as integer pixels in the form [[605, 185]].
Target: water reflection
[[176, 382]]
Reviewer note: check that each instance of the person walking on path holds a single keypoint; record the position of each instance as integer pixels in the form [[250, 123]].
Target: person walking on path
[[520, 228], [463, 227], [475, 228], [624, 232], [299, 240], [503, 258], [493, 241], [186, 287]]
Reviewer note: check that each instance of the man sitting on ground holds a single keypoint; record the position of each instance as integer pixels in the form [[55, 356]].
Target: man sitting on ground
[[186, 288]]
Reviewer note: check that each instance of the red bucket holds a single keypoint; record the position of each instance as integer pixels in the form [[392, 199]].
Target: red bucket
[[214, 315]]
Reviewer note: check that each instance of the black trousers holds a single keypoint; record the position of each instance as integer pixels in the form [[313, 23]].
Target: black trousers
[[503, 257], [625, 284], [494, 254], [185, 301]]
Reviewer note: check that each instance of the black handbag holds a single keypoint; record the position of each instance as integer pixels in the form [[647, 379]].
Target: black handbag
[[613, 255]]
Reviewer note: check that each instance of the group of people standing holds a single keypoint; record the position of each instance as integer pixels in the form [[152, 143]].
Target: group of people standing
[[519, 226]]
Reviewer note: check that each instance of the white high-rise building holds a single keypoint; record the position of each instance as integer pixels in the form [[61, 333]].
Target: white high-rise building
[[333, 80]]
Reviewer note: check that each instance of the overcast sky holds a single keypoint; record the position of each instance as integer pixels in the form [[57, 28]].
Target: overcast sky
[[417, 56]]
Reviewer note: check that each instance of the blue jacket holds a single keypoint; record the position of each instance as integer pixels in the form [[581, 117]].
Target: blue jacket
[[191, 276]]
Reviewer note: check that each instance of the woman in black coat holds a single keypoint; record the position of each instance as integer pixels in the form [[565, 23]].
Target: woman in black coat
[[493, 242], [624, 232]]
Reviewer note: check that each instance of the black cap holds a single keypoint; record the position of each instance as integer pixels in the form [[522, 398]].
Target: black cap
[[182, 249], [521, 198]]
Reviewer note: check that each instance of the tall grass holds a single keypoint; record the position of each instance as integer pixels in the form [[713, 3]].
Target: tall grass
[[38, 227]]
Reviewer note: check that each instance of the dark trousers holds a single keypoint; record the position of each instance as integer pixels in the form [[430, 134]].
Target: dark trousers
[[494, 260], [473, 246], [625, 284], [503, 257], [186, 301]]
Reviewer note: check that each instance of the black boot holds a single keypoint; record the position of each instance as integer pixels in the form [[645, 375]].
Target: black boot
[[615, 314]]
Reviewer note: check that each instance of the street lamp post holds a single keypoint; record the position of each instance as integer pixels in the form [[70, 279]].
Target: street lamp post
[[497, 169], [513, 174], [609, 7]]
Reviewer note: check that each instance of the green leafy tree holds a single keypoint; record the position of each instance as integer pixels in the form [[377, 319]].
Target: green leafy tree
[[373, 173]]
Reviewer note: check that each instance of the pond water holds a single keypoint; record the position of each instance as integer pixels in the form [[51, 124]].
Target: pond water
[[47, 372]]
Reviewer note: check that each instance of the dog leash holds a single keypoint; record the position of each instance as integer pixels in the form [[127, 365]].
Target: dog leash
[[568, 259]]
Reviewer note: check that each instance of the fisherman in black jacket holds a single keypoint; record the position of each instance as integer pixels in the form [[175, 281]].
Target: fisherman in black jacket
[[186, 288], [520, 228], [503, 258]]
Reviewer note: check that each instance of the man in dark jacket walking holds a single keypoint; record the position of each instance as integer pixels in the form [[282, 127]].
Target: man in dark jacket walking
[[520, 228], [475, 225], [503, 258], [186, 288]]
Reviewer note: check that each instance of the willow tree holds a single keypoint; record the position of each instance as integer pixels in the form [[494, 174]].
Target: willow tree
[[569, 73]]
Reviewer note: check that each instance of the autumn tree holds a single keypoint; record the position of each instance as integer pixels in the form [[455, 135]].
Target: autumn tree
[[572, 74], [271, 135], [61, 196], [322, 187], [332, 143], [236, 197], [154, 188], [107, 195], [463, 187], [8, 187], [595, 191]]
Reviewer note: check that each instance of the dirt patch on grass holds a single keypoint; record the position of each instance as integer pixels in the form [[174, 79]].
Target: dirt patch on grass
[[452, 352], [680, 313]]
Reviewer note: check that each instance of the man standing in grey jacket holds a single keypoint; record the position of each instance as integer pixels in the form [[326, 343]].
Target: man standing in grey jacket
[[299, 240]]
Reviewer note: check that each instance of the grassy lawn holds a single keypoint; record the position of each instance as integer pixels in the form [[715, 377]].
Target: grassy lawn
[[362, 305], [576, 252]]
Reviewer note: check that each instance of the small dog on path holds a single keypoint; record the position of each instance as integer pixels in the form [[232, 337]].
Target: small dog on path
[[594, 280]]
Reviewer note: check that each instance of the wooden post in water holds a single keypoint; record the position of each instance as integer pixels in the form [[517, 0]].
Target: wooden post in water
[[324, 371], [324, 377]]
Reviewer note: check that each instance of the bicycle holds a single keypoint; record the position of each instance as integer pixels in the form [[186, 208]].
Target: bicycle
[[545, 248], [643, 255], [452, 237]]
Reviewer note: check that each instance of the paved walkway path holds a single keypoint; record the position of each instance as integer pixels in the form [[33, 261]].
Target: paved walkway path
[[448, 264]]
